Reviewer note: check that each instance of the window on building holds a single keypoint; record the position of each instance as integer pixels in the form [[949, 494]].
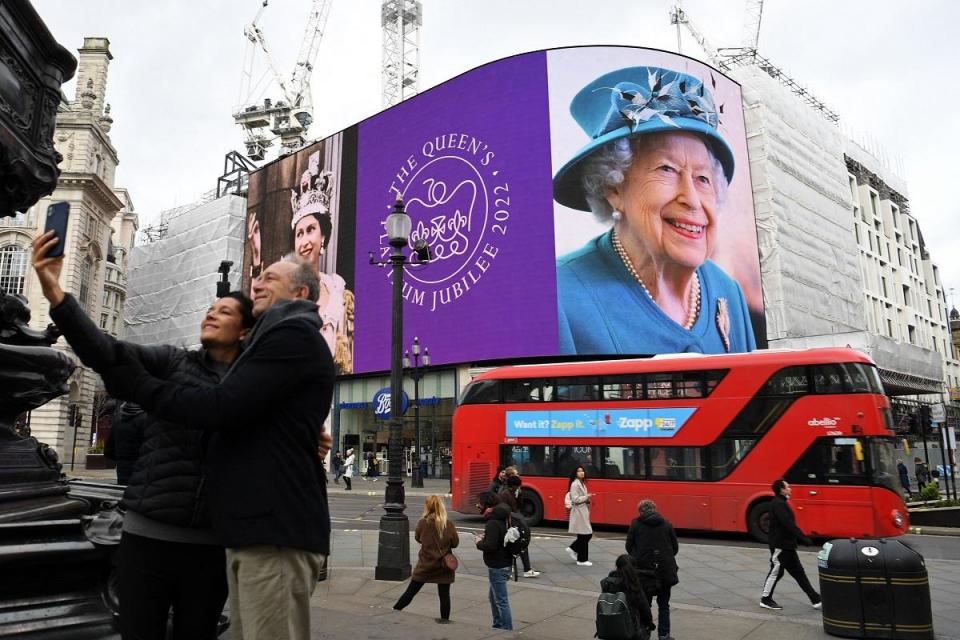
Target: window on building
[[875, 206], [86, 281], [912, 334], [13, 268], [889, 327], [103, 321], [883, 287]]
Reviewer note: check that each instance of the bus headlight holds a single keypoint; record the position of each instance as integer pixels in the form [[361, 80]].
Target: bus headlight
[[898, 519]]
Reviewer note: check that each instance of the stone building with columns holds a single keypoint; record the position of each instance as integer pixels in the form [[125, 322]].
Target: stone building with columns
[[98, 209]]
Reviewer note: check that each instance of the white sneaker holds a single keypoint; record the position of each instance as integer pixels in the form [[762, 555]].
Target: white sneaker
[[585, 563], [531, 574], [571, 553]]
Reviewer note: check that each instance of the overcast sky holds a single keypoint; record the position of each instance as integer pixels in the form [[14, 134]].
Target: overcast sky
[[888, 68]]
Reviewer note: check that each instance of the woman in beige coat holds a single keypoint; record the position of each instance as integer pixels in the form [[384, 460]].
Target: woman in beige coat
[[579, 524], [437, 536]]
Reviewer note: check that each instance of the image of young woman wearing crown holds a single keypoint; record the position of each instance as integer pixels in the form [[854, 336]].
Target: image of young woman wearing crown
[[312, 226]]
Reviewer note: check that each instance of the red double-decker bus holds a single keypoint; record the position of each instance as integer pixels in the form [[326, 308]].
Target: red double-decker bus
[[703, 436]]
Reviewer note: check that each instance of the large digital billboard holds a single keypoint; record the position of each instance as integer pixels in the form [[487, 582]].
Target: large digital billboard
[[581, 201]]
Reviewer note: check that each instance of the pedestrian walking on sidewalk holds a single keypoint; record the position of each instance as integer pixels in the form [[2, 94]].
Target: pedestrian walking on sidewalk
[[579, 505], [510, 494], [498, 559], [348, 469], [922, 473], [783, 538], [904, 477], [337, 463], [437, 537], [625, 579], [371, 467], [652, 543]]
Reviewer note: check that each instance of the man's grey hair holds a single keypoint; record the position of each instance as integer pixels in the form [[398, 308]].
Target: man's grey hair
[[303, 276], [647, 506], [606, 168]]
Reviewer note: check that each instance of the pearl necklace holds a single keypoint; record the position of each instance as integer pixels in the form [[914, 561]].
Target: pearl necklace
[[694, 303]]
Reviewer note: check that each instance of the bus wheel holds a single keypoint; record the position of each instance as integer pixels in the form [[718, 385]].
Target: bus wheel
[[758, 521], [531, 507]]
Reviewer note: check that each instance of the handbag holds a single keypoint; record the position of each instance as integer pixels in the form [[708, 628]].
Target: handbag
[[449, 560]]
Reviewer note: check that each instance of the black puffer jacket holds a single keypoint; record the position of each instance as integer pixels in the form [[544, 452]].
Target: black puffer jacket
[[652, 541], [166, 482], [643, 619]]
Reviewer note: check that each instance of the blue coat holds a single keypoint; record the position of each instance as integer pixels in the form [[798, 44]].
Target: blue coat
[[602, 309]]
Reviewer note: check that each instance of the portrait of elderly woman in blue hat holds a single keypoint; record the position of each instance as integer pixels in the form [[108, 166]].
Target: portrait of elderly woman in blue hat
[[656, 169]]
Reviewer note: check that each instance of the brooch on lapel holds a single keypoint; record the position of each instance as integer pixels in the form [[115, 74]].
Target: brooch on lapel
[[723, 322]]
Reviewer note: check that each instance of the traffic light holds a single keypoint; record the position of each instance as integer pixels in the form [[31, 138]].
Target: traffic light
[[925, 423]]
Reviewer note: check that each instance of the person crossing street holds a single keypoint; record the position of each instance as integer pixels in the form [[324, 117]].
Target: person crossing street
[[783, 539]]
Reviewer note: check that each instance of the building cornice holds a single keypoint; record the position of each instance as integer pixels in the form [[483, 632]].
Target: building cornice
[[93, 184]]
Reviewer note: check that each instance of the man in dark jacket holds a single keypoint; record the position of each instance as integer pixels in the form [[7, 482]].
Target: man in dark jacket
[[126, 437], [265, 480], [510, 495], [652, 543], [499, 561], [169, 558], [783, 538]]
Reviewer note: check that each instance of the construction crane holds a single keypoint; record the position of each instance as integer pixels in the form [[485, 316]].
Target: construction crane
[[679, 17], [288, 117], [401, 21], [752, 12]]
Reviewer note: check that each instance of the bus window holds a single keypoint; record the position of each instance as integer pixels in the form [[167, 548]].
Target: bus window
[[530, 460], [829, 461], [790, 381], [828, 378], [660, 386], [577, 389], [569, 458], [883, 464], [725, 453], [481, 392], [526, 390], [629, 387], [676, 463], [623, 462]]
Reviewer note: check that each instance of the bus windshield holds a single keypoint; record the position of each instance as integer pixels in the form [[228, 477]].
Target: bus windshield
[[883, 464], [836, 461]]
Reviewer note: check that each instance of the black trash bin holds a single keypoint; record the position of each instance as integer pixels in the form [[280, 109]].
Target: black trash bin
[[874, 589]]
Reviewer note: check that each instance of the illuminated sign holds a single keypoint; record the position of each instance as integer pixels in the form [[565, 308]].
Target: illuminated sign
[[597, 423], [492, 166]]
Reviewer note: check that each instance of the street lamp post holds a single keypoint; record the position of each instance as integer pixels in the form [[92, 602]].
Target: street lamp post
[[393, 551], [417, 368]]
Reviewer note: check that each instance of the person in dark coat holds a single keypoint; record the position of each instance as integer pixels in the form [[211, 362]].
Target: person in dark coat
[[337, 463], [266, 484], [497, 483], [510, 495], [169, 558], [437, 537], [126, 437], [904, 477], [921, 472], [783, 538], [499, 561], [652, 543], [625, 579]]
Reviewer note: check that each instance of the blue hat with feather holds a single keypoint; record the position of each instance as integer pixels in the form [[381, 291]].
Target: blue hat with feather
[[635, 101]]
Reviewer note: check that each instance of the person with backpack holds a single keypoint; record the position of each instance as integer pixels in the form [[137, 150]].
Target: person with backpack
[[510, 495], [783, 539], [653, 545], [437, 537], [578, 501], [623, 612], [496, 556]]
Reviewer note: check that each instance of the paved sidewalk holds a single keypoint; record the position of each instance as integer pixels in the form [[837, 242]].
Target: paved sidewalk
[[716, 598]]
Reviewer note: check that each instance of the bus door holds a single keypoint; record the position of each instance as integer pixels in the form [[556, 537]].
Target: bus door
[[831, 490]]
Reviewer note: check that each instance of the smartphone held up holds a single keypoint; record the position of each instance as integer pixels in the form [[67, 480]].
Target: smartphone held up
[[57, 215]]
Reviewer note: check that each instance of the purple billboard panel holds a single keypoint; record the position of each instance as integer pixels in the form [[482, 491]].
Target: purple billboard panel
[[471, 159]]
